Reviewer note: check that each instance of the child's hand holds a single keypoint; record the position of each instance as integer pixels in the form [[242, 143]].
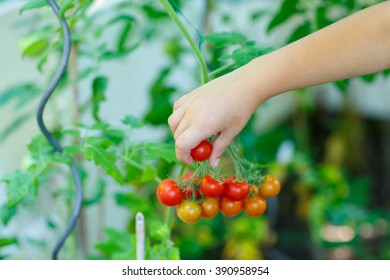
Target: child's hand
[[222, 108]]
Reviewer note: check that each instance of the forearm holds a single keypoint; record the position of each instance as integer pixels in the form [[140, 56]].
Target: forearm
[[355, 46]]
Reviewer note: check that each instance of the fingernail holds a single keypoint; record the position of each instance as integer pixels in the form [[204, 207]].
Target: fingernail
[[215, 163]]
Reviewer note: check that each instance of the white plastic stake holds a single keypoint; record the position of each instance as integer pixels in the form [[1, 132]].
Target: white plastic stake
[[140, 235]]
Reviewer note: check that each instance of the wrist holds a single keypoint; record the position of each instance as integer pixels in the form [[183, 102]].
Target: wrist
[[265, 77]]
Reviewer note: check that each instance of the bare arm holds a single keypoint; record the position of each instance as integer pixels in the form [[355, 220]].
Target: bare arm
[[354, 46]]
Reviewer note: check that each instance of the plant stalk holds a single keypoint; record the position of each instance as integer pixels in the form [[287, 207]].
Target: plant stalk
[[202, 63]]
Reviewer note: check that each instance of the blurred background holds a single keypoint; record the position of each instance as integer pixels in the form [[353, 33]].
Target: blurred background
[[329, 145]]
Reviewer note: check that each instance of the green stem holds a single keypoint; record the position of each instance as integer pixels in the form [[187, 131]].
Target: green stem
[[221, 69], [202, 63]]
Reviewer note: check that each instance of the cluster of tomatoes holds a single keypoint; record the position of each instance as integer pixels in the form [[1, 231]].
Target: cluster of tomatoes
[[205, 196]]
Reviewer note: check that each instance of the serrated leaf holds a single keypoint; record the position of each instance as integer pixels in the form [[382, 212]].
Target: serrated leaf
[[99, 87], [226, 39], [20, 185], [104, 159], [162, 151], [33, 4], [8, 241], [149, 174]]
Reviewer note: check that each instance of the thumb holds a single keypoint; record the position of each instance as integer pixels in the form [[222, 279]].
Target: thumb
[[221, 142]]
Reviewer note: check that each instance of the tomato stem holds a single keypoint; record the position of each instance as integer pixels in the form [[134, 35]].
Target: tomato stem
[[202, 63]]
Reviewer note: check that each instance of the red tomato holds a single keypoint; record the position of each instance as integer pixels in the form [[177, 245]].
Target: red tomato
[[210, 207], [202, 151], [230, 208], [271, 187], [255, 206], [230, 179], [189, 212], [236, 190], [168, 193], [210, 187]]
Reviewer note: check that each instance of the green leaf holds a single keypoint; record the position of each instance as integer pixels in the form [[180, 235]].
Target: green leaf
[[162, 151], [6, 214], [118, 245], [288, 9], [133, 202], [115, 135], [154, 13], [34, 44], [226, 39], [20, 185], [40, 148], [245, 55], [342, 85], [104, 159], [8, 241], [149, 174], [369, 78], [103, 143], [133, 122], [33, 4], [159, 230], [99, 87], [302, 31], [65, 6], [22, 94]]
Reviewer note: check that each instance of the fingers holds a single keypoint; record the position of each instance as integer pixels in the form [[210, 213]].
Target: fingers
[[221, 142], [181, 101], [188, 140], [175, 119]]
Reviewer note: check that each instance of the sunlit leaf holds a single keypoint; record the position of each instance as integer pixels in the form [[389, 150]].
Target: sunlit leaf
[[162, 151], [20, 185]]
